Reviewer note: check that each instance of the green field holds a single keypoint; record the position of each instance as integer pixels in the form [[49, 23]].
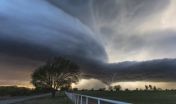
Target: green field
[[59, 99], [137, 97]]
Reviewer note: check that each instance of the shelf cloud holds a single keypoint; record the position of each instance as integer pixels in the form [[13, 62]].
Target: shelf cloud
[[130, 39]]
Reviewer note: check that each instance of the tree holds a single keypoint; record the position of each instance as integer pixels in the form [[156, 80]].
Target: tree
[[150, 86], [126, 89], [55, 74], [117, 88], [154, 88], [146, 87], [101, 89], [75, 89], [110, 88], [66, 88], [92, 89]]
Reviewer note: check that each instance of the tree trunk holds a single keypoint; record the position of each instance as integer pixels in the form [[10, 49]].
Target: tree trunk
[[53, 93]]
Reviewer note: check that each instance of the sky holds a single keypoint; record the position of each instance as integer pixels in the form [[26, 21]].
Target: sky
[[125, 41]]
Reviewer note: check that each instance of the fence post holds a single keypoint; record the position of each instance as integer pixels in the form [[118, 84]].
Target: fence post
[[78, 99], [98, 101], [81, 99], [75, 99], [86, 100]]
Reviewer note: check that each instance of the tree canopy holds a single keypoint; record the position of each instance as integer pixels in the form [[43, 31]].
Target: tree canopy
[[55, 74]]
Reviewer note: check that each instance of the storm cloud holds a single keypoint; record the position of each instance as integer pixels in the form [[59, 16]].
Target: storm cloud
[[31, 31], [93, 33]]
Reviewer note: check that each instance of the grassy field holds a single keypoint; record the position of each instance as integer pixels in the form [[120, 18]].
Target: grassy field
[[137, 97], [59, 99]]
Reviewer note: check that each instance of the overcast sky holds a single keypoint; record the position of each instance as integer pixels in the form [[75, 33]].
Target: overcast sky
[[135, 39]]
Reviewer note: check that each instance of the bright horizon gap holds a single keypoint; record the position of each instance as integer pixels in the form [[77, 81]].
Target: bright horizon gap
[[96, 84]]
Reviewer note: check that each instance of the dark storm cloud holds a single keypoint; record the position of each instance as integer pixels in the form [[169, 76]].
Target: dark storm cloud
[[112, 15], [36, 30], [45, 31], [31, 31], [153, 70], [117, 22]]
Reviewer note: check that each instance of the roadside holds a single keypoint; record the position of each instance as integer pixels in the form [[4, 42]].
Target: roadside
[[59, 99], [15, 100]]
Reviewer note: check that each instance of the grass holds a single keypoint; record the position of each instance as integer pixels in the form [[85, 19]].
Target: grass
[[59, 99], [137, 97]]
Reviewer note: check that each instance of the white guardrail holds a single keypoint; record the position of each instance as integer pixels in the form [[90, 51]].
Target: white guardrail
[[84, 99]]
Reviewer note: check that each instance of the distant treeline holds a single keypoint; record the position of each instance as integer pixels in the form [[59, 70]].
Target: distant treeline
[[119, 88], [10, 91]]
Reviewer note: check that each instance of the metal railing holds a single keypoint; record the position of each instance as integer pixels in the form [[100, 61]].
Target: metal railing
[[84, 99]]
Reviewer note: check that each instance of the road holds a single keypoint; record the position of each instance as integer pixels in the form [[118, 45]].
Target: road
[[12, 101]]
